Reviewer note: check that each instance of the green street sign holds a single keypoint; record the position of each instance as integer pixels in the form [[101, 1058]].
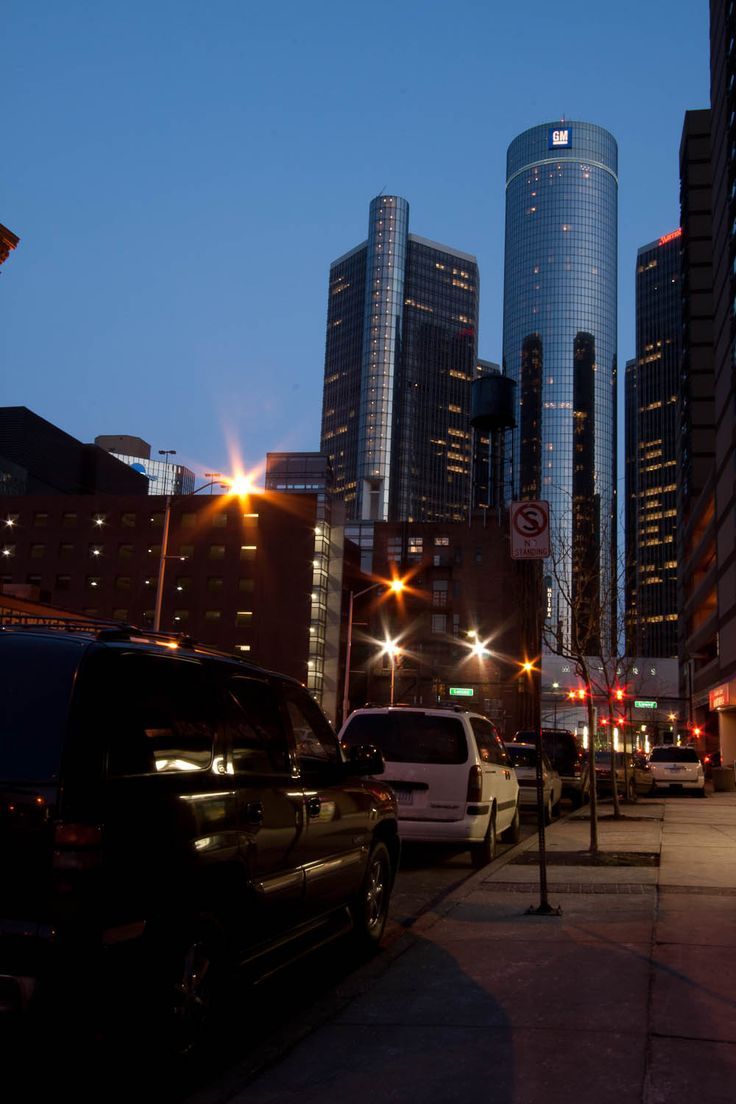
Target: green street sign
[[461, 692], [645, 705]]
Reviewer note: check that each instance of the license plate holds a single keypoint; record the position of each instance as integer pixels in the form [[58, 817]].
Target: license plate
[[404, 797]]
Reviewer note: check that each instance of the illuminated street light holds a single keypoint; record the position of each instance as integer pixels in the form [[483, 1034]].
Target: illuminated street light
[[392, 650], [395, 587], [217, 477]]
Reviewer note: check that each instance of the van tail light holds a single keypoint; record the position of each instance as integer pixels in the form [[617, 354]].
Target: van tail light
[[77, 846], [577, 769], [475, 785]]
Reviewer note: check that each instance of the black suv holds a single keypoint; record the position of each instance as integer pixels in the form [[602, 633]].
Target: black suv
[[167, 814], [567, 757]]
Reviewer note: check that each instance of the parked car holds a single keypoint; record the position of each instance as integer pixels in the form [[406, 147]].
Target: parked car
[[676, 768], [565, 752], [524, 759], [167, 814], [626, 774], [453, 779]]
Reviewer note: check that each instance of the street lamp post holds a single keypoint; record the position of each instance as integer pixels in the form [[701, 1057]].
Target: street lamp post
[[164, 551], [396, 586]]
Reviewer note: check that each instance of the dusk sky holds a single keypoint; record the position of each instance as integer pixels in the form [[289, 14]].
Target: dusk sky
[[182, 174]]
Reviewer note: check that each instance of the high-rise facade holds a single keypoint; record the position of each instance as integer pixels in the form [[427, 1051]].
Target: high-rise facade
[[651, 413], [401, 353], [559, 345]]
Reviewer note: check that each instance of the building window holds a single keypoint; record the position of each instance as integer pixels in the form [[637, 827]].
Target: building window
[[247, 552], [125, 551], [68, 521], [245, 586], [219, 521], [157, 521], [479, 555], [442, 541], [122, 582], [181, 615], [217, 552], [66, 551], [63, 582], [183, 583], [215, 583], [37, 551], [244, 617], [128, 521], [186, 551], [40, 520], [188, 519], [120, 615], [93, 582], [439, 622], [439, 592], [154, 550], [212, 614], [416, 545]]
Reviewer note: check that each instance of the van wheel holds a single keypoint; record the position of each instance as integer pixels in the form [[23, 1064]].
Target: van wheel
[[484, 853], [513, 833], [370, 908]]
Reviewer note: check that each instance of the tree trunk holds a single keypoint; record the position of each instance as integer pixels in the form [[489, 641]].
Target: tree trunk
[[591, 772]]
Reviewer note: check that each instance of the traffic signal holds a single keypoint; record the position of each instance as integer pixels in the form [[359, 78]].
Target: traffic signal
[[617, 694]]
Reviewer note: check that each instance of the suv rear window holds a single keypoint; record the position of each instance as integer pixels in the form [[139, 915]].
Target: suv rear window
[[674, 755], [410, 737], [35, 690]]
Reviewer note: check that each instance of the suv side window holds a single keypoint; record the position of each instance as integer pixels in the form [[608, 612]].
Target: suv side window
[[490, 747], [255, 727], [316, 743], [164, 714]]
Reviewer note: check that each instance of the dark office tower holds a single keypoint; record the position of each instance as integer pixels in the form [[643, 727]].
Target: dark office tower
[[630, 504], [559, 344], [402, 325], [652, 387]]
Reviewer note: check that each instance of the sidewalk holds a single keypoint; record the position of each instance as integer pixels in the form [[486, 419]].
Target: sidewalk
[[628, 997]]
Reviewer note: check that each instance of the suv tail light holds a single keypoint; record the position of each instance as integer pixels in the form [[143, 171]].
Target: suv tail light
[[475, 785], [77, 846]]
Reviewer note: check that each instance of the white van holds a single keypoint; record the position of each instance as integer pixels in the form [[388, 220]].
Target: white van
[[452, 776]]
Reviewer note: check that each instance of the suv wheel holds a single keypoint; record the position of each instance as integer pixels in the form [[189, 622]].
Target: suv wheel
[[513, 832], [190, 984], [370, 909], [484, 853]]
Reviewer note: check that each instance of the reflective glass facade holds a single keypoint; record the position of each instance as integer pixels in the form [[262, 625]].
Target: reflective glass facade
[[559, 345], [652, 383], [400, 358]]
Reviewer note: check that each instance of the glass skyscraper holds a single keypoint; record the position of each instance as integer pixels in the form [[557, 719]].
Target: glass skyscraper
[[651, 412], [400, 358], [559, 344]]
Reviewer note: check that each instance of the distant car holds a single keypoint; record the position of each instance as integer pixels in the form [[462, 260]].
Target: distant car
[[453, 779], [676, 768], [626, 774], [524, 759], [566, 754]]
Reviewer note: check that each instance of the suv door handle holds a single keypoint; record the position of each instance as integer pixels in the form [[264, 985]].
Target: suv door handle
[[254, 812], [314, 805]]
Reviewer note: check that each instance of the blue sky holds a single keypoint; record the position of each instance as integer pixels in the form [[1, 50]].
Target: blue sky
[[182, 174]]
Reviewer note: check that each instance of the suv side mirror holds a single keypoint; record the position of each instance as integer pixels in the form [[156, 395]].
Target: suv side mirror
[[365, 759]]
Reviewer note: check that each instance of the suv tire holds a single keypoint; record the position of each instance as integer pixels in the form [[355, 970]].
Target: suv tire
[[189, 980], [513, 832], [484, 853], [370, 908]]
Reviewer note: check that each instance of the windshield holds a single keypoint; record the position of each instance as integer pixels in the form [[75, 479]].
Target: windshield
[[674, 755], [409, 737], [522, 756]]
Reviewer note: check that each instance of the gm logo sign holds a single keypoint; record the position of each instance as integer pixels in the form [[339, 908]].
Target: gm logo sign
[[559, 138]]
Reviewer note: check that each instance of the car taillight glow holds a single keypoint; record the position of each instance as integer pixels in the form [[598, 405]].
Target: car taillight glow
[[77, 846], [475, 784]]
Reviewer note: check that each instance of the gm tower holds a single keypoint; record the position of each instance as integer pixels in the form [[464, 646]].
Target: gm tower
[[559, 345]]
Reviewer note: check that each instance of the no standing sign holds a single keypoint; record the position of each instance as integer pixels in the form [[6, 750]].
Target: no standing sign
[[529, 530]]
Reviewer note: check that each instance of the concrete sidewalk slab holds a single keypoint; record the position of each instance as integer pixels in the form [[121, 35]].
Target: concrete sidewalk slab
[[628, 997]]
